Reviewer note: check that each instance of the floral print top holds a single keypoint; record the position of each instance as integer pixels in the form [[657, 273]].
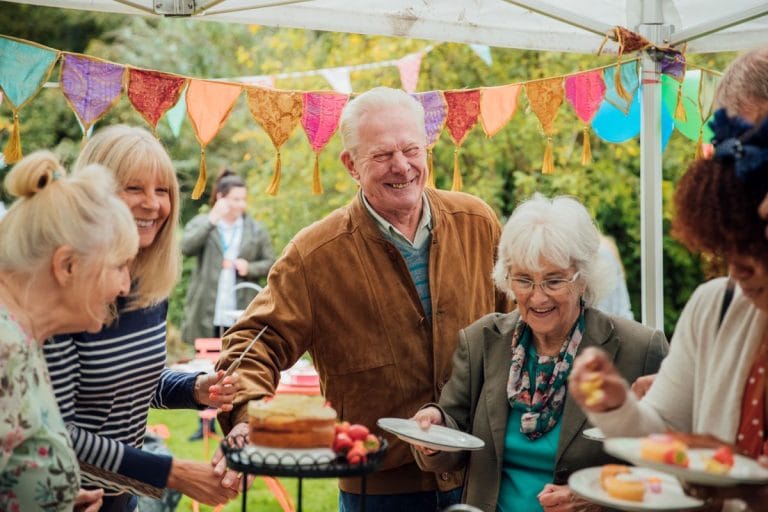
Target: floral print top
[[38, 469]]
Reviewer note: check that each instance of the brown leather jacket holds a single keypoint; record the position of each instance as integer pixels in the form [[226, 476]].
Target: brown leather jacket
[[343, 293]]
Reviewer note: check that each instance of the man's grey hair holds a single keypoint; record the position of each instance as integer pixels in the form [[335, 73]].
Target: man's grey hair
[[378, 98], [560, 231]]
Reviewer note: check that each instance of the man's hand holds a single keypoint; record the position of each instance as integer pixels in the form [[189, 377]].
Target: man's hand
[[213, 391], [230, 479], [198, 481], [89, 501], [426, 418]]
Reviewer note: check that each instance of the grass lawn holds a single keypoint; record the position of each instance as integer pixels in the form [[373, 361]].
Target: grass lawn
[[320, 495]]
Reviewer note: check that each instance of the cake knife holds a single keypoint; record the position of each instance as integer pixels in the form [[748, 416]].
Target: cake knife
[[236, 363]]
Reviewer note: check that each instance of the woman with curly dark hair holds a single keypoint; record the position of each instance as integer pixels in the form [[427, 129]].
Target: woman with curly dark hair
[[714, 380]]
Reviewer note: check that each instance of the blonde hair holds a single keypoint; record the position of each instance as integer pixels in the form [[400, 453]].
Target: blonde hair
[[744, 85], [130, 152], [378, 98], [54, 210], [558, 230]]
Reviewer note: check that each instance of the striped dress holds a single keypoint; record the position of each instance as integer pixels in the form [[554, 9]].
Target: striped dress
[[105, 384]]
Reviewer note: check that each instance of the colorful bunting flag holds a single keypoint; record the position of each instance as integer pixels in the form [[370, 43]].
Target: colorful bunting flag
[[585, 92], [545, 97], [484, 52], [338, 78], [320, 120], [176, 114], [24, 68], [621, 78], [208, 106], [497, 106], [435, 113], [463, 111], [90, 86], [278, 112], [409, 67], [152, 93]]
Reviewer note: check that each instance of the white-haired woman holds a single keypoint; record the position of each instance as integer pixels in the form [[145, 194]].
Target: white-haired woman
[[64, 257], [510, 371], [106, 381]]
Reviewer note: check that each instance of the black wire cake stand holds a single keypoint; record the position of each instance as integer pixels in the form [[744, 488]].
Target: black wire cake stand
[[249, 460]]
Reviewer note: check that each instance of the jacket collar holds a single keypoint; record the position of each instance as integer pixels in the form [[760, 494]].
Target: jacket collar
[[497, 358], [367, 224]]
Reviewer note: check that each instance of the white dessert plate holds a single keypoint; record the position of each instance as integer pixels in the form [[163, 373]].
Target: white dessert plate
[[436, 438], [586, 483], [744, 470], [290, 456], [594, 434]]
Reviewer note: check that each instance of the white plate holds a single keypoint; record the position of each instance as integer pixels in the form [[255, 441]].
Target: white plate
[[436, 438], [744, 470], [594, 434], [586, 483], [289, 456]]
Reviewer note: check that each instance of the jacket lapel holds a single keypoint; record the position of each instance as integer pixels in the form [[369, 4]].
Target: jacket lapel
[[497, 359], [598, 333]]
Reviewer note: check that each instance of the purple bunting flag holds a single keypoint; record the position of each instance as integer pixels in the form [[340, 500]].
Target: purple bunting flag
[[90, 86]]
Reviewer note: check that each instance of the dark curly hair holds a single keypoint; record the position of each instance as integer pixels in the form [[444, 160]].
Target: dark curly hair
[[716, 213]]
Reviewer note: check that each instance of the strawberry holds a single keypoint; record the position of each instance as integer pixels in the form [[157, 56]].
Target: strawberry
[[724, 455], [357, 454], [676, 457], [342, 443], [358, 432], [371, 443]]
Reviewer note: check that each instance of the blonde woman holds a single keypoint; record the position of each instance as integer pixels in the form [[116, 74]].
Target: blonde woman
[[106, 382], [67, 244]]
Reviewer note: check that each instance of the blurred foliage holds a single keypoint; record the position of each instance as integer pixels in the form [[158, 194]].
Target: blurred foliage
[[502, 170]]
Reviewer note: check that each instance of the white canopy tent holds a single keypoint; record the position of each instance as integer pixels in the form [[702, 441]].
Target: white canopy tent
[[554, 25]]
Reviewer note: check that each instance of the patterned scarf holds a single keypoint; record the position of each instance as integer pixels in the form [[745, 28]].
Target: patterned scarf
[[544, 406]]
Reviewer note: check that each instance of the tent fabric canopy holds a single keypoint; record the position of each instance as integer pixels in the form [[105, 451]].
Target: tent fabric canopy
[[492, 22]]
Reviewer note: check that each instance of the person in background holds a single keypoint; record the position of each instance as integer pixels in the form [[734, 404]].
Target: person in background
[[67, 244], [713, 382], [616, 301], [376, 292], [230, 248], [106, 381], [510, 371]]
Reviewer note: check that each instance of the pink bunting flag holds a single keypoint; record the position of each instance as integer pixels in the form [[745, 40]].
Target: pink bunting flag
[[90, 86], [320, 120], [409, 67], [585, 92]]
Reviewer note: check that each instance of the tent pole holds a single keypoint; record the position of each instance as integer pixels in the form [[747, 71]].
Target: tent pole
[[653, 28]]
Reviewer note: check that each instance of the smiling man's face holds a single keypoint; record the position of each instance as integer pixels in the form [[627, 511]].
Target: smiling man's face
[[390, 161]]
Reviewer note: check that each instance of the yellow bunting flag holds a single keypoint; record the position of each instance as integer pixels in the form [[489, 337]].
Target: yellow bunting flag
[[545, 97]]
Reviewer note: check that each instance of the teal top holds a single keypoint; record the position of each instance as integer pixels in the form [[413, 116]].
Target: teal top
[[528, 465]]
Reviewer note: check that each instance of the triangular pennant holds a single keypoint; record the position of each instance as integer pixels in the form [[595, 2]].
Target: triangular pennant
[[497, 106], [629, 83], [707, 89], [320, 120], [545, 98], [672, 63], [435, 113], [338, 78], [585, 92], [208, 106], [152, 93], [176, 114], [90, 86], [409, 67], [484, 52], [23, 70], [278, 112], [463, 111]]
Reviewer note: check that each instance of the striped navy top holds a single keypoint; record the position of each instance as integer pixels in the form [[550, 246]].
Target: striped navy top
[[105, 384]]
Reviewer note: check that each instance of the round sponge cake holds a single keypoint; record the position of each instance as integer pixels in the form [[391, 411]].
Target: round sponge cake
[[291, 421]]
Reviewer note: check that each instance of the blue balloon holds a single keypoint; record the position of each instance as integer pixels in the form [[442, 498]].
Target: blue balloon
[[612, 125]]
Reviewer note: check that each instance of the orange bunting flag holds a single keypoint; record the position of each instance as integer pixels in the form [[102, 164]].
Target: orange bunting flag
[[545, 97], [278, 112], [322, 111], [497, 106], [463, 111], [208, 106], [152, 93]]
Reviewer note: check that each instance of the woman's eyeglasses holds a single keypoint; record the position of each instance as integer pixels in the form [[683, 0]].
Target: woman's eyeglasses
[[553, 285]]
